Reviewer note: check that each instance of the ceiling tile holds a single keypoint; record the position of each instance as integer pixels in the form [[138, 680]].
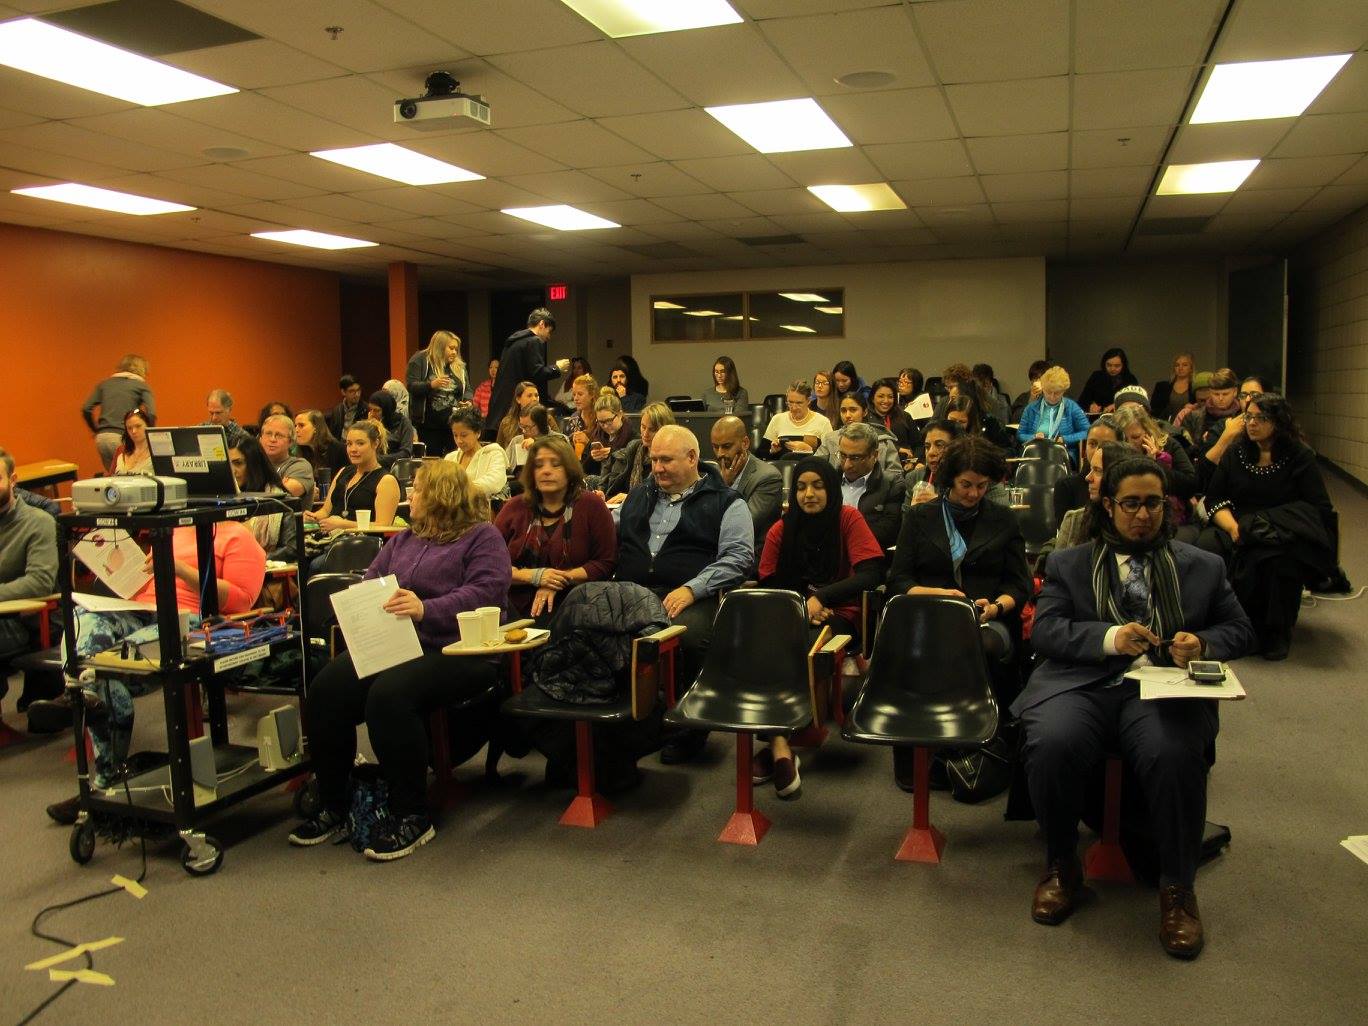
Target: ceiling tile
[[943, 159], [153, 126], [632, 212], [1121, 35], [353, 100], [681, 231], [1118, 147], [678, 134], [1356, 173], [1123, 99], [428, 202], [729, 174], [164, 188], [259, 117], [1250, 201], [256, 64], [830, 43], [492, 194], [952, 192], [1291, 172], [318, 175], [717, 65], [1325, 135], [499, 26], [231, 178], [1185, 206], [1012, 153], [1227, 223], [990, 40], [702, 207], [649, 180], [827, 167], [759, 9], [346, 207], [971, 214], [431, 227], [1036, 185], [1344, 198], [44, 98], [806, 224], [891, 116], [1034, 210], [567, 187], [1259, 30], [1241, 140], [594, 79], [780, 201], [1105, 208], [293, 217], [485, 153], [68, 140], [1347, 92], [1011, 108], [1110, 181], [578, 144]]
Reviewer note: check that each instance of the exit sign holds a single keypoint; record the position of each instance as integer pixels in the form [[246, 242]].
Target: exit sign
[[556, 293]]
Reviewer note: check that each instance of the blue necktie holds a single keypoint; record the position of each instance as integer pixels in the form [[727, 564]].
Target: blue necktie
[[1135, 592]]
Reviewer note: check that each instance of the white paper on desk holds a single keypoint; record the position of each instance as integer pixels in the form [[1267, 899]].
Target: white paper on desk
[[105, 604], [1357, 846], [117, 561], [1172, 682], [376, 639]]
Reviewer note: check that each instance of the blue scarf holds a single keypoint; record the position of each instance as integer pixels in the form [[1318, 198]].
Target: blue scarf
[[957, 546], [1049, 425]]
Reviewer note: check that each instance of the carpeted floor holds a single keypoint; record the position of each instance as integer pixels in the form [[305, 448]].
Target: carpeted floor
[[508, 917]]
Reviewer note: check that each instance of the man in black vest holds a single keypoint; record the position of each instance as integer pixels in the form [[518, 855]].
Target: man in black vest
[[685, 535], [524, 359]]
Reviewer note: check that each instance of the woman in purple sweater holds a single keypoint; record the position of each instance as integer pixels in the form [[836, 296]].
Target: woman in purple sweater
[[450, 561]]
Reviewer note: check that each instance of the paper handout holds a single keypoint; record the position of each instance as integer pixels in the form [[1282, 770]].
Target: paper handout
[[376, 639], [117, 561], [1172, 682]]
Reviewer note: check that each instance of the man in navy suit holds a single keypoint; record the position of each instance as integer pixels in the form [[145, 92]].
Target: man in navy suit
[[1133, 597]]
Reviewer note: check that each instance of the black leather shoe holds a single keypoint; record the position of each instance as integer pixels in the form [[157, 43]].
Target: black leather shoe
[[65, 812], [685, 746], [1059, 893], [52, 716]]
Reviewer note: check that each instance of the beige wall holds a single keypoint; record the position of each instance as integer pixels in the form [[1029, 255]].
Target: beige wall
[[608, 320], [1328, 342], [1153, 310], [925, 314]]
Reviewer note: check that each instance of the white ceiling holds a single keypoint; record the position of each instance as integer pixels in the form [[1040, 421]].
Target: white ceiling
[[1012, 127]]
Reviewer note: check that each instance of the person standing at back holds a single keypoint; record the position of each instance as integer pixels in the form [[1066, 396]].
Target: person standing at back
[[124, 390], [524, 359], [438, 382]]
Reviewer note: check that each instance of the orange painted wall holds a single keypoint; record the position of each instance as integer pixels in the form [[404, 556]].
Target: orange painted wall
[[72, 305]]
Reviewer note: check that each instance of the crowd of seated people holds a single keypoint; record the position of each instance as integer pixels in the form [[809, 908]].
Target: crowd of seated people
[[875, 496]]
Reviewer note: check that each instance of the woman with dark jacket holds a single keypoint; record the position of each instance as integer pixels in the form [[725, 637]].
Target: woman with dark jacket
[[437, 382], [1100, 391], [398, 428], [629, 466], [845, 380], [824, 551], [1270, 520], [559, 534]]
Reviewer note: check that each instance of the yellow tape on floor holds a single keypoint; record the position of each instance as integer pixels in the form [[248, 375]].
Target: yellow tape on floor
[[80, 976], [131, 886], [76, 952]]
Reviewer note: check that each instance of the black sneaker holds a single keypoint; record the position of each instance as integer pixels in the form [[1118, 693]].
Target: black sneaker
[[325, 826], [408, 833]]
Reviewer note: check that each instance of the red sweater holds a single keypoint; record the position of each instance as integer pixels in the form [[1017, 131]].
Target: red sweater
[[591, 542], [857, 545]]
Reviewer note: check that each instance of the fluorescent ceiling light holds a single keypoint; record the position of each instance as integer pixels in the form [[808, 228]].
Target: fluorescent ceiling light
[[833, 310], [52, 52], [102, 199], [663, 304], [618, 18], [1255, 90], [561, 217], [855, 198], [312, 239], [702, 313], [799, 327], [805, 297], [738, 317], [398, 164], [1220, 176], [782, 126]]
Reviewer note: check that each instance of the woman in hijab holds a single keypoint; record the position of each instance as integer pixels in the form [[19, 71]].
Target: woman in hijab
[[398, 428], [824, 551]]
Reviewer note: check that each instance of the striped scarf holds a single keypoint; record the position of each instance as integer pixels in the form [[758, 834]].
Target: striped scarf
[[1166, 604]]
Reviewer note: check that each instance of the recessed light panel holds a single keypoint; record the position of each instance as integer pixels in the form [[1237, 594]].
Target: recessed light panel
[[561, 217], [805, 297], [398, 164], [803, 328], [1190, 179], [1256, 90], [665, 304], [102, 199], [782, 126], [619, 18], [851, 199], [702, 313], [312, 239], [55, 53], [833, 310]]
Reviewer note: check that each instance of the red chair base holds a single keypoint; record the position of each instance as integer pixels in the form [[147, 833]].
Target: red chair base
[[90, 751], [921, 845], [809, 737], [745, 828], [589, 808], [10, 736], [586, 810], [1104, 859]]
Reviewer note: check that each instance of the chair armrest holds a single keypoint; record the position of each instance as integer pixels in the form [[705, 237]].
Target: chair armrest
[[647, 647], [646, 651]]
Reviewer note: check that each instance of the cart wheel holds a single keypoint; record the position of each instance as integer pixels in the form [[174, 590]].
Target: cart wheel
[[307, 803], [82, 843], [208, 863]]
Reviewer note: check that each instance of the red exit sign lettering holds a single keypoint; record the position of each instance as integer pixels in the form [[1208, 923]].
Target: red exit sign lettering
[[556, 293]]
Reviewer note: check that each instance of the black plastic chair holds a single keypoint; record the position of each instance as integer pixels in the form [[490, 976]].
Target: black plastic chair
[[405, 470], [759, 415], [776, 403], [1037, 521], [1038, 472], [759, 677], [649, 652], [786, 468], [1046, 449], [351, 551], [320, 622], [927, 687]]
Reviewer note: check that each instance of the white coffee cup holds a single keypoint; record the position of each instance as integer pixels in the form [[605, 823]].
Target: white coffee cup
[[490, 616], [363, 518], [471, 625]]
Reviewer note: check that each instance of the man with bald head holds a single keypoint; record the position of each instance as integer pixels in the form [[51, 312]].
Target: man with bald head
[[685, 535], [761, 485]]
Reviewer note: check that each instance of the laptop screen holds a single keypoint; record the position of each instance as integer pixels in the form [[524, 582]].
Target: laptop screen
[[196, 455]]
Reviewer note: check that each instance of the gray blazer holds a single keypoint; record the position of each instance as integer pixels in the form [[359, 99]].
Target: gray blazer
[[762, 486], [1068, 631]]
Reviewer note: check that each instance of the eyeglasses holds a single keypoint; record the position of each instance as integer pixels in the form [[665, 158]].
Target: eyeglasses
[[1257, 418], [605, 421], [274, 434], [1133, 505], [1249, 395], [856, 457]]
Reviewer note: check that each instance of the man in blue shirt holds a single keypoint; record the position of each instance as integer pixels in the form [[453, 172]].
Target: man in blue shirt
[[687, 536]]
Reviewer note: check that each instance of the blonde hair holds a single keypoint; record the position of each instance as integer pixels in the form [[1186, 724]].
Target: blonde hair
[[508, 427], [1055, 377], [436, 353], [1132, 414], [372, 430], [659, 415], [587, 382], [451, 507], [608, 400], [133, 364]]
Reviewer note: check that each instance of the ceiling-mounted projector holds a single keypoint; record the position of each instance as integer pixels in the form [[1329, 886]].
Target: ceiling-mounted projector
[[434, 110]]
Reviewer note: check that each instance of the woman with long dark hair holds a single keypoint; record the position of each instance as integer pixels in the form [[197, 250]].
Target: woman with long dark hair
[[824, 551], [727, 393], [134, 456], [399, 433], [318, 446], [1099, 393], [844, 380], [1270, 520]]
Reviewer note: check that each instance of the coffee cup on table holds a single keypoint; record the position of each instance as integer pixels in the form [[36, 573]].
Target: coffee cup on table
[[489, 620], [471, 626], [363, 519]]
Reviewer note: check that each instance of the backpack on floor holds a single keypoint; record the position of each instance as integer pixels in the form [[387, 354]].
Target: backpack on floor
[[368, 815]]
